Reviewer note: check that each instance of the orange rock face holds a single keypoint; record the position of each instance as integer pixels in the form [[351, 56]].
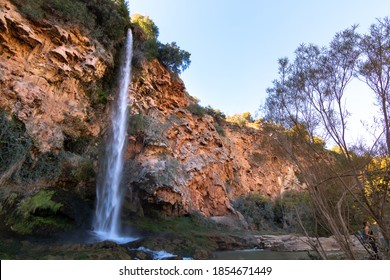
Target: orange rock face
[[43, 73], [184, 165]]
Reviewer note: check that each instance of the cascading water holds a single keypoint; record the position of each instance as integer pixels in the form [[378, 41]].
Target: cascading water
[[107, 224]]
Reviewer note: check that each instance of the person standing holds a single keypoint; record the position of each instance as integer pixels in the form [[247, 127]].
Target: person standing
[[369, 238]]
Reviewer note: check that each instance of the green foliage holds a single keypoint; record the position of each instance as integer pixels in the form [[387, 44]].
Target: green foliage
[[191, 233], [217, 114], [147, 26], [99, 96], [299, 132], [170, 55], [15, 147], [37, 213], [106, 19], [40, 201], [138, 124], [85, 171], [196, 109], [46, 167], [151, 49], [257, 210], [147, 130], [111, 19], [14, 143], [237, 119], [247, 116], [291, 204], [77, 145]]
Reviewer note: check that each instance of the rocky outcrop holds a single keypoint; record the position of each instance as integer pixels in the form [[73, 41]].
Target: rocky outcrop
[[292, 243], [182, 161], [44, 71], [49, 73]]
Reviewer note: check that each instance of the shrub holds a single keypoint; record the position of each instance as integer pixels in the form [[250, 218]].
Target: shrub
[[247, 116], [147, 130], [170, 55], [149, 29], [151, 49], [111, 18], [291, 204], [196, 109], [85, 171], [257, 210], [15, 146], [219, 130], [14, 143], [138, 124], [45, 167], [237, 119]]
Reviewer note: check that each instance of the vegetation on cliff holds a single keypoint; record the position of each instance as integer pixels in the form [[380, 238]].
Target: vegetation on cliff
[[169, 54], [107, 20]]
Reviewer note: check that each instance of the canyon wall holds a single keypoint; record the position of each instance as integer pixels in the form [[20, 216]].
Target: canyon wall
[[180, 158]]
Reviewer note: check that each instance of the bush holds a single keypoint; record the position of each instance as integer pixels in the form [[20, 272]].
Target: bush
[[170, 55], [291, 204], [237, 119], [196, 109], [257, 210], [149, 29], [147, 130], [14, 143], [46, 167], [15, 146]]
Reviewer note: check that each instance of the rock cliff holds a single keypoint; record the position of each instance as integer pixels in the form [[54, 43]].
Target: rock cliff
[[182, 161], [178, 160], [45, 71], [50, 73]]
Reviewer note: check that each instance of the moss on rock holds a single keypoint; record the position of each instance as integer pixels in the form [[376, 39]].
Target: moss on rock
[[37, 214]]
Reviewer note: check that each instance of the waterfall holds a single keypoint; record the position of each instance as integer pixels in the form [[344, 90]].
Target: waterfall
[[107, 223]]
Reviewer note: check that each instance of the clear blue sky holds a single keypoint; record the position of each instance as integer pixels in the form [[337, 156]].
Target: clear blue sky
[[235, 44]]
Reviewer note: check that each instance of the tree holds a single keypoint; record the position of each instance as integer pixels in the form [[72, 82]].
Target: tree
[[313, 86], [148, 27], [247, 116], [375, 69], [170, 55]]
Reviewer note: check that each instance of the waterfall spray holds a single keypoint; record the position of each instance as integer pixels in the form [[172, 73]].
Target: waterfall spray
[[107, 224]]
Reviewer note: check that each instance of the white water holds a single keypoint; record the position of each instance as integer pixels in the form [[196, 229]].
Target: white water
[[107, 223]]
